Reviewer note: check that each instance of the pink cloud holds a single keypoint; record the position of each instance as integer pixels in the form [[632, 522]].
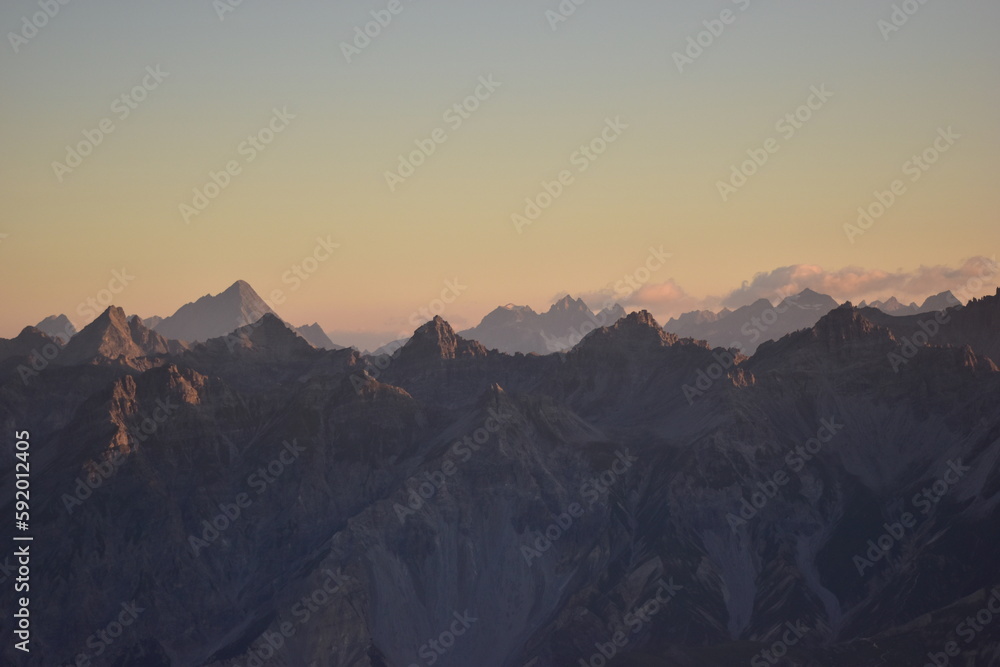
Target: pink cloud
[[857, 284]]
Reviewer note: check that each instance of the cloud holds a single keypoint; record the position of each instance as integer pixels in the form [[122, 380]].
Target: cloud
[[976, 276], [665, 297]]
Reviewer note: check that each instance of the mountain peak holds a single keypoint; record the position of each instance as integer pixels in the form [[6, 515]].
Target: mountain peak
[[437, 339], [113, 337], [641, 318], [568, 304], [241, 287], [315, 336], [811, 299], [31, 341], [845, 323], [58, 327], [937, 302], [638, 329], [269, 335], [216, 316]]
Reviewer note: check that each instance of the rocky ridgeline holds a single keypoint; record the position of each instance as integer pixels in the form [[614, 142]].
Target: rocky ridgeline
[[640, 498]]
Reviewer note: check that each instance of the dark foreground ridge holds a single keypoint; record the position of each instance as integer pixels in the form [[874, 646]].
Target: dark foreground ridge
[[640, 499]]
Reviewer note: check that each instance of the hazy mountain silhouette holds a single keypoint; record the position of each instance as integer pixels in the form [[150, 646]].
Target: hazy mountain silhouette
[[892, 306], [316, 337], [745, 328], [514, 328], [57, 326], [212, 316]]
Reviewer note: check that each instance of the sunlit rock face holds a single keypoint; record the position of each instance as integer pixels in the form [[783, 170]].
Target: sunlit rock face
[[641, 499]]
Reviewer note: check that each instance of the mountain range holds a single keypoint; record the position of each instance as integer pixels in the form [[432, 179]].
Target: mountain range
[[893, 306], [747, 327], [512, 328], [211, 316], [644, 498]]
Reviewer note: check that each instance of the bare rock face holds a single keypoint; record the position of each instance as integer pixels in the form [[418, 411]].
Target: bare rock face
[[114, 339], [637, 330], [436, 340], [254, 500]]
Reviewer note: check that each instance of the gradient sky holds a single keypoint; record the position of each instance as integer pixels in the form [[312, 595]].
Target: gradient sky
[[324, 175]]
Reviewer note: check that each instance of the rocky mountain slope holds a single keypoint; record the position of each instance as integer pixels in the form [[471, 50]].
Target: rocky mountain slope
[[642, 499]]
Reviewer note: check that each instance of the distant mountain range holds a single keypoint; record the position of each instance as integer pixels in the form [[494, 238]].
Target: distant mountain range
[[211, 316], [746, 328], [893, 306], [514, 329]]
